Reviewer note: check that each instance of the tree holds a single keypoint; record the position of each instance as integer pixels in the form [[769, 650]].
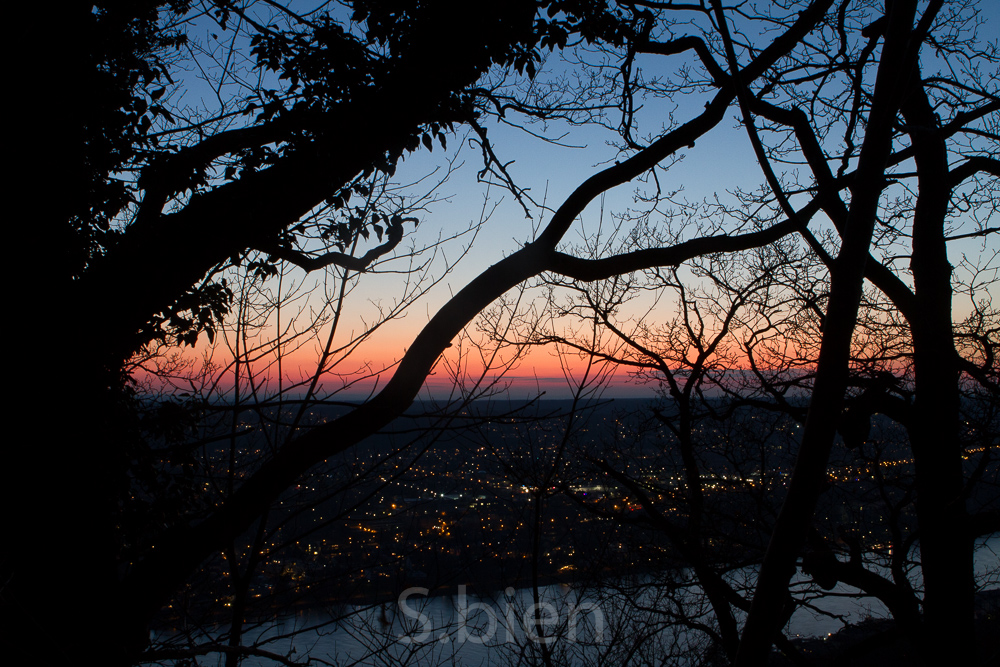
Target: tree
[[800, 76], [156, 199], [734, 366], [802, 119], [210, 420]]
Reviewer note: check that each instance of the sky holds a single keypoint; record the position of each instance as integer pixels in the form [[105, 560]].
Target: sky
[[550, 173], [718, 163]]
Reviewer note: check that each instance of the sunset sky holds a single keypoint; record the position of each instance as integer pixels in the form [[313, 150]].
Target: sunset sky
[[718, 163], [551, 173]]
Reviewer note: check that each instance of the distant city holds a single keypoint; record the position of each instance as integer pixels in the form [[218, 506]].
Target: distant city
[[495, 498]]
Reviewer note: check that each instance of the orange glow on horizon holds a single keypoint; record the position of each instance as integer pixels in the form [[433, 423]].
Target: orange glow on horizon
[[355, 369]]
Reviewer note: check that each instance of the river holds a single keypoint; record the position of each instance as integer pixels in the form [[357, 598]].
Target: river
[[579, 625]]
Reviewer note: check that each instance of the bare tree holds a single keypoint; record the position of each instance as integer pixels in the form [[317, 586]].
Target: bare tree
[[902, 115]]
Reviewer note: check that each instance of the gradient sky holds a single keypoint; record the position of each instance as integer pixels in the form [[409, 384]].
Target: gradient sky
[[551, 172], [720, 162]]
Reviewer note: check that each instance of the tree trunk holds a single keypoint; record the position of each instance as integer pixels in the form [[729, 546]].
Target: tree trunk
[[847, 275], [946, 546]]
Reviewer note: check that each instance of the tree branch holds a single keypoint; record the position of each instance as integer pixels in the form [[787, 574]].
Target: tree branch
[[973, 166], [360, 264], [681, 44], [588, 270]]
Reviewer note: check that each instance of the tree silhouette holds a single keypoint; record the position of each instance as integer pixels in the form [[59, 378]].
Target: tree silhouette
[[733, 365], [153, 205], [158, 197], [907, 116]]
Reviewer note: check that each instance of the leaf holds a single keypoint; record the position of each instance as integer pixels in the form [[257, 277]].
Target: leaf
[[157, 110]]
